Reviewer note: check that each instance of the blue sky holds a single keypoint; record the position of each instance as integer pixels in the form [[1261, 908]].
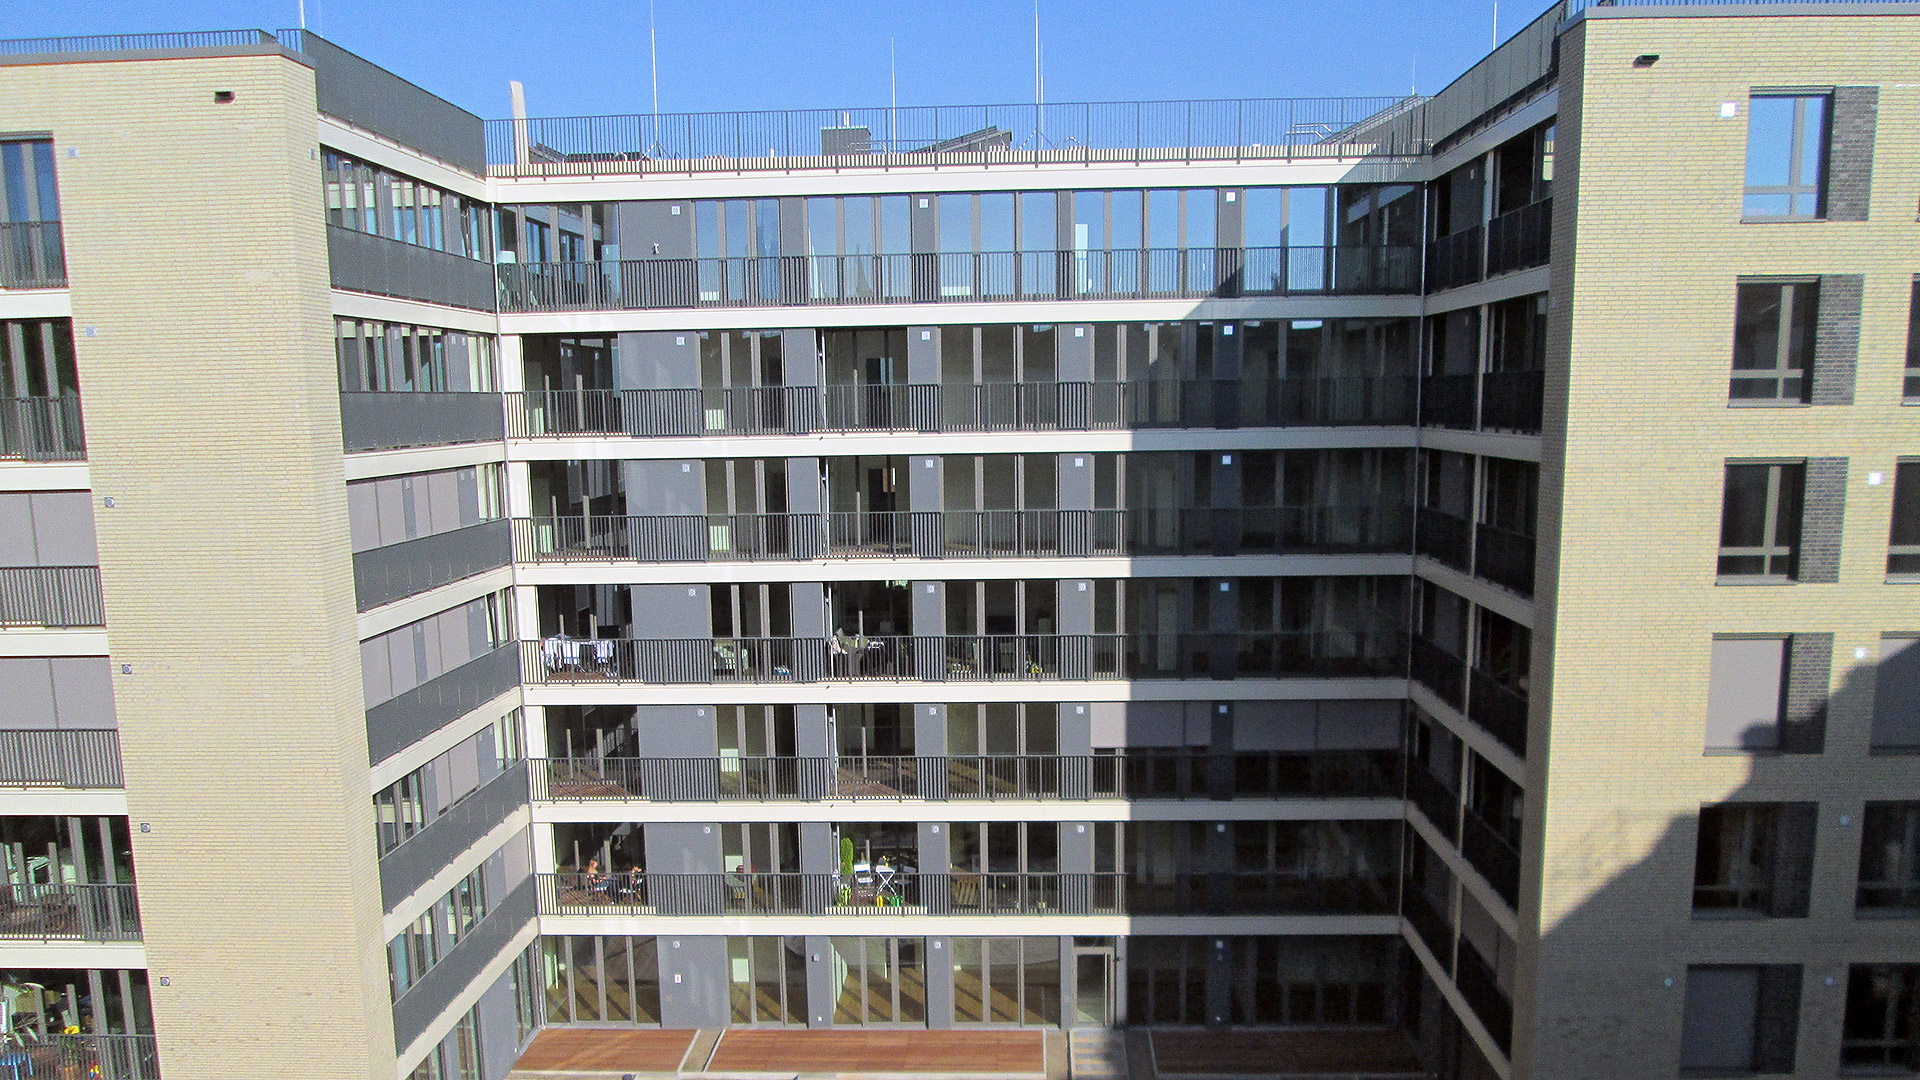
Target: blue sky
[[590, 56]]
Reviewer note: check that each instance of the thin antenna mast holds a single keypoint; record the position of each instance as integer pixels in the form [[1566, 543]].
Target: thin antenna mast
[[303, 14], [1039, 84], [893, 90], [1496, 23]]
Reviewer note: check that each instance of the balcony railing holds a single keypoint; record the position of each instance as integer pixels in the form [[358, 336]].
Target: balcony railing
[[961, 534], [1445, 537], [965, 658], [60, 758], [1447, 401], [1491, 854], [1481, 988], [42, 428], [51, 596], [1334, 401], [1429, 923], [392, 420], [1140, 774], [905, 892], [1439, 803], [32, 255], [92, 1057], [1520, 239], [1439, 671], [954, 277], [1512, 401], [1500, 709], [1456, 259], [1504, 558], [384, 574], [71, 912]]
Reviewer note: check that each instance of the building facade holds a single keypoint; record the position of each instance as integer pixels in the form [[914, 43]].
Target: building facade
[[1217, 565]]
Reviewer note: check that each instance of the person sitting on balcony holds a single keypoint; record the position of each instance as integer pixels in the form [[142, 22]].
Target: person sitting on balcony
[[598, 882]]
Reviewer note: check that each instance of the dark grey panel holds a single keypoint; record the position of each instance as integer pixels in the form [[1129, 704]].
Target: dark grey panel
[[1896, 695], [673, 611], [693, 982], [390, 421], [655, 229], [376, 264], [1856, 111], [499, 1028], [375, 99], [1825, 512], [667, 487], [675, 731], [1836, 339], [461, 965], [412, 864], [394, 725], [657, 360], [384, 574], [1809, 674]]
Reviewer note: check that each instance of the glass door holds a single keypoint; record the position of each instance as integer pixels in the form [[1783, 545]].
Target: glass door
[[1092, 987]]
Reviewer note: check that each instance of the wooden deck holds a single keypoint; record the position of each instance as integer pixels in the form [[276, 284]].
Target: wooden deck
[[1288, 1053], [802, 1051], [605, 1050]]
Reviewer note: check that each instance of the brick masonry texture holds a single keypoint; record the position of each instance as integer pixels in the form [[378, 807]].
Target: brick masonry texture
[[1809, 676], [1856, 111], [1836, 340], [1823, 520]]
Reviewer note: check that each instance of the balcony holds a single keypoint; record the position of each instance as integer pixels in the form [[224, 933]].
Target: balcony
[[1444, 537], [1481, 989], [1447, 401], [1456, 259], [960, 534], [951, 277], [1439, 671], [94, 1057], [1500, 709], [363, 262], [1512, 401], [1440, 804], [384, 574], [1430, 924], [1138, 774], [394, 420], [51, 596], [60, 758], [32, 255], [964, 658], [69, 912], [399, 722], [934, 408], [1504, 558], [408, 867], [905, 892], [42, 428], [1496, 859], [1520, 239]]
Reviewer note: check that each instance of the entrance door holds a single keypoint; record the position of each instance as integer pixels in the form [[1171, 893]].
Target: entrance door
[[1093, 987]]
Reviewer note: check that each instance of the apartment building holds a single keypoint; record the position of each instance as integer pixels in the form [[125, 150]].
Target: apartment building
[[1419, 585]]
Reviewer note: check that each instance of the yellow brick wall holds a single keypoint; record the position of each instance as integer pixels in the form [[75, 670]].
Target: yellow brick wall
[[197, 252], [1637, 431]]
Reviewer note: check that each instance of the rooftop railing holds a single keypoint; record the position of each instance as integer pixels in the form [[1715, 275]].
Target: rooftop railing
[[192, 39], [1136, 773], [1282, 129]]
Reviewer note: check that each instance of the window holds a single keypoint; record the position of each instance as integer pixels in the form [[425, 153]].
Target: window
[[1896, 694], [414, 212], [1882, 1026], [1903, 539], [1760, 520], [1754, 860], [768, 976], [1911, 392], [29, 192], [1740, 1019], [613, 979], [881, 980], [1773, 335], [413, 952], [1786, 156], [1890, 859], [1746, 690]]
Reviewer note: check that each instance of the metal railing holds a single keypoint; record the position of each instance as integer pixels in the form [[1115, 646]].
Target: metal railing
[[1490, 853], [1499, 708], [61, 758], [1520, 239], [61, 911], [954, 277], [382, 575], [1448, 401], [1439, 671], [966, 658], [92, 1057], [1333, 401], [42, 428], [1282, 129], [1455, 259], [1480, 986], [193, 39], [1513, 401], [906, 892], [1504, 558], [52, 596], [1140, 774], [1444, 536], [1429, 923], [32, 255], [961, 534], [1439, 803], [397, 419]]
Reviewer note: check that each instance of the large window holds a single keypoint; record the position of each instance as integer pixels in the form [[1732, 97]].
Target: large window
[[1740, 1019], [1881, 1033], [29, 192], [411, 803], [367, 198], [1787, 136], [399, 660], [1754, 860], [601, 980], [1911, 391], [1903, 538], [401, 357], [768, 976], [1773, 336], [1760, 520], [1006, 980], [881, 980], [1890, 859]]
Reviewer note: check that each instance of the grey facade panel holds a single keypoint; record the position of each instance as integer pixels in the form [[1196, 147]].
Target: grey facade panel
[[384, 574], [394, 725], [462, 964], [372, 98], [1836, 341], [1743, 693], [1896, 695], [693, 982], [366, 263], [499, 1028], [411, 865], [1825, 512], [1856, 111], [1803, 723], [392, 421]]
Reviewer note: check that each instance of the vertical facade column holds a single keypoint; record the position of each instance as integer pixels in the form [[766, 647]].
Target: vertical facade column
[[929, 630], [926, 497], [923, 377]]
